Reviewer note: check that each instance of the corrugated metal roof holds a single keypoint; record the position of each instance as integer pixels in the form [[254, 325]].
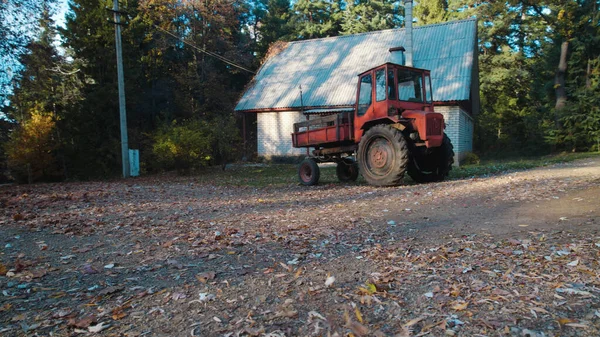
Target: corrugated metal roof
[[327, 68]]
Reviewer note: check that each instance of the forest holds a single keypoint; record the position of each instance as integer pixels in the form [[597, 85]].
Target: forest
[[186, 63]]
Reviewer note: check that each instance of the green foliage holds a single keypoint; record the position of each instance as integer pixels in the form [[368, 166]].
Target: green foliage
[[226, 140], [30, 149], [316, 18], [431, 11], [471, 159], [366, 16], [183, 146]]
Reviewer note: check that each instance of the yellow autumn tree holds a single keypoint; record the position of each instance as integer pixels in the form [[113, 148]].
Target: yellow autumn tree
[[29, 150]]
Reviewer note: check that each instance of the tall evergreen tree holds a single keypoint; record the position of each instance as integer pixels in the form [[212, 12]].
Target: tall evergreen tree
[[317, 18], [18, 26], [430, 11], [364, 16]]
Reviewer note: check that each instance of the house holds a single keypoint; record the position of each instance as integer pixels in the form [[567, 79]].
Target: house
[[320, 76]]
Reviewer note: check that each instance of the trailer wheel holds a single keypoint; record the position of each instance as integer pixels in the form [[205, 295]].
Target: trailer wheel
[[347, 170], [432, 166], [308, 172], [383, 156]]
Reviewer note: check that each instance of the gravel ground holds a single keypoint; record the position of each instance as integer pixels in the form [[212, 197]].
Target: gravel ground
[[516, 254]]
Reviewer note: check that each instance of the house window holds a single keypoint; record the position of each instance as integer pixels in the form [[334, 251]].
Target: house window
[[409, 86], [380, 88], [364, 94]]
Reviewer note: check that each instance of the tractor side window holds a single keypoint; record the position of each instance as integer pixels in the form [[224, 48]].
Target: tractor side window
[[428, 94], [391, 86], [409, 86], [364, 94], [380, 88]]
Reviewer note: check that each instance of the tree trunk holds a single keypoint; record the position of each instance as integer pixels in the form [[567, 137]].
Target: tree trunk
[[559, 79], [588, 75], [559, 83]]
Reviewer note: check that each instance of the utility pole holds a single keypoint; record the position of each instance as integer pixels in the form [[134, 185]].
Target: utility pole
[[121, 81]]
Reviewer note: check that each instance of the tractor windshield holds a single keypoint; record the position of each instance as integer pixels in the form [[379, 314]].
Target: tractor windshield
[[410, 86]]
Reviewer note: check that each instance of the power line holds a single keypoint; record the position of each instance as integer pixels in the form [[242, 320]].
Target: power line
[[217, 56]]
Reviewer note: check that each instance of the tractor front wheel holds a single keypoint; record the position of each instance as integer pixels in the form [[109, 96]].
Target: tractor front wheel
[[347, 170], [308, 172], [383, 156], [431, 165]]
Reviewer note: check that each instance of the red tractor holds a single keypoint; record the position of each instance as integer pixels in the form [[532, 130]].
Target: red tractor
[[392, 130]]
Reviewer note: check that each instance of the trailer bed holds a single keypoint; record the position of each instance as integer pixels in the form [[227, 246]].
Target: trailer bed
[[323, 130]]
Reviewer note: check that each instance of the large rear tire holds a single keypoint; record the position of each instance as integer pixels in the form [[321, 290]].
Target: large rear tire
[[431, 165], [382, 156], [347, 170], [308, 172]]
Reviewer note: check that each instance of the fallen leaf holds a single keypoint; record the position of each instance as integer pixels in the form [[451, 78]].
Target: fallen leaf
[[175, 263], [89, 269], [98, 327], [118, 313], [19, 317], [329, 281], [413, 321], [205, 276], [82, 323], [564, 320], [358, 314], [459, 306], [110, 290], [358, 328], [287, 313]]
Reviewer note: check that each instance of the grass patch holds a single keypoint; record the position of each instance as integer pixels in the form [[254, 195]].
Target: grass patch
[[282, 175], [262, 175]]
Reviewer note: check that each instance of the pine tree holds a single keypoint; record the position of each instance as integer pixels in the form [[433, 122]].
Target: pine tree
[[317, 18], [365, 16]]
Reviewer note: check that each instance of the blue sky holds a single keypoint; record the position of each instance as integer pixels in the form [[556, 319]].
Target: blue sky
[[59, 17]]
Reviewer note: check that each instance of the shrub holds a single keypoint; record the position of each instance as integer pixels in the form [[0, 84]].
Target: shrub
[[30, 149], [226, 140], [183, 146], [471, 159]]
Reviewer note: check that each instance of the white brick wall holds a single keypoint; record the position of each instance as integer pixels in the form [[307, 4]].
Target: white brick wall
[[274, 133], [459, 128]]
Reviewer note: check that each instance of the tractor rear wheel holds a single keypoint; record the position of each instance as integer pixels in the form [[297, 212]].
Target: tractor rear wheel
[[431, 165], [308, 172], [383, 156], [347, 170]]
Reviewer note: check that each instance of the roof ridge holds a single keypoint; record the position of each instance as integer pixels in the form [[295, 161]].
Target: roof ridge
[[384, 30]]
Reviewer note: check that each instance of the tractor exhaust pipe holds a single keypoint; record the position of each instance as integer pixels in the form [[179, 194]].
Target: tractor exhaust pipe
[[408, 18]]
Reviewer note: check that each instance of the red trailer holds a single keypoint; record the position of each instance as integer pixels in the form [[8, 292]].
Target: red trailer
[[392, 130]]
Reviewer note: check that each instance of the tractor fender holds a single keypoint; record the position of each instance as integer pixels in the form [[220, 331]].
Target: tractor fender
[[429, 125], [371, 123]]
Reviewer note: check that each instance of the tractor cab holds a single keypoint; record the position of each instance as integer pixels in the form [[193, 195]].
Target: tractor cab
[[397, 94]]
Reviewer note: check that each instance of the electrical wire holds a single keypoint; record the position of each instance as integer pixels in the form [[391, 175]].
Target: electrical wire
[[217, 56]]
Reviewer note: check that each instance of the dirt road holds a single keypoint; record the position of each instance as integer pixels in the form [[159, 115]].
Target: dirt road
[[511, 255]]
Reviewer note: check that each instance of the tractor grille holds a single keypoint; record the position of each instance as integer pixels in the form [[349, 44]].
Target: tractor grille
[[434, 126]]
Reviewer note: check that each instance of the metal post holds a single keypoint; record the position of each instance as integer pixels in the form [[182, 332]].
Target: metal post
[[408, 27], [121, 81]]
